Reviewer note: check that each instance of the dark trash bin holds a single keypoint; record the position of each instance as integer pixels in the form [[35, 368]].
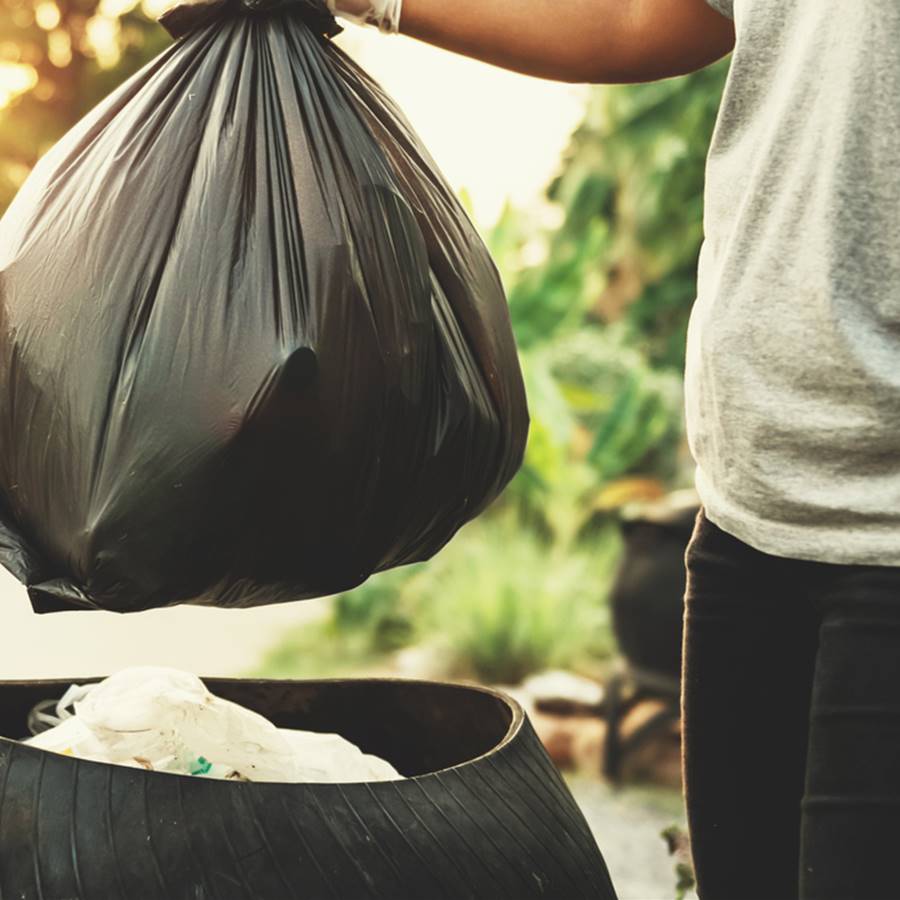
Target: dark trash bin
[[483, 813], [647, 606]]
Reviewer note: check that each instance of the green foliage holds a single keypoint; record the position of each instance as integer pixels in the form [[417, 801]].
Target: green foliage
[[602, 316], [599, 413], [631, 410], [549, 491], [379, 609], [507, 603], [684, 880], [678, 843], [362, 628], [630, 194], [321, 650]]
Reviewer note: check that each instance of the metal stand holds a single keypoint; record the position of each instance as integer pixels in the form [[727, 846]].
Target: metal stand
[[628, 687]]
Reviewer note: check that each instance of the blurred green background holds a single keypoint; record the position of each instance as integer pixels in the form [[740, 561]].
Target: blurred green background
[[599, 304]]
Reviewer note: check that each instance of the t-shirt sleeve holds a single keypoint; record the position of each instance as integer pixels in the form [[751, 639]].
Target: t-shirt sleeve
[[726, 7]]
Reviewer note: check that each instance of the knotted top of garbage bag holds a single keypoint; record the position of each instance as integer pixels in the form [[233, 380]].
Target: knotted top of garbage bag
[[187, 16]]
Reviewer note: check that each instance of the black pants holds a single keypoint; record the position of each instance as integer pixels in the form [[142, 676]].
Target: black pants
[[791, 705]]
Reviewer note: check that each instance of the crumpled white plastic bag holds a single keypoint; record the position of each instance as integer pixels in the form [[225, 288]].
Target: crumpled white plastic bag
[[167, 721]]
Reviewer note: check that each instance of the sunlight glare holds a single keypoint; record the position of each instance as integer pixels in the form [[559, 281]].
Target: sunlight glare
[[59, 48], [15, 79], [47, 15], [114, 8], [102, 34], [153, 9]]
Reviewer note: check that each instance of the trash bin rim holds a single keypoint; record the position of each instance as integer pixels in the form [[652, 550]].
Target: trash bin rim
[[517, 719]]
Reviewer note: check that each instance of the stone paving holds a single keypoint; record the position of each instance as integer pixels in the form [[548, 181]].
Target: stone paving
[[627, 826]]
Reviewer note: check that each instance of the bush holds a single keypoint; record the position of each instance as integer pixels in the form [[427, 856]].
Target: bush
[[507, 604], [378, 611]]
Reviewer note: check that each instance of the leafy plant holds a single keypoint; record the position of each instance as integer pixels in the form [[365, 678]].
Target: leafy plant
[[678, 844], [507, 603], [321, 650], [600, 416], [362, 628], [601, 315], [379, 610], [630, 198], [649, 141], [632, 412]]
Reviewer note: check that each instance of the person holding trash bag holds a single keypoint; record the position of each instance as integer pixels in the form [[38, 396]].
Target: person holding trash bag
[[791, 689]]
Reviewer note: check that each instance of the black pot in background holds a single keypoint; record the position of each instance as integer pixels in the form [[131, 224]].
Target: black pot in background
[[647, 600], [647, 606], [484, 814]]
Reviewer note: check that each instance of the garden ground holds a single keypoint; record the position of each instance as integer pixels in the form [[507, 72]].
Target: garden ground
[[627, 825]]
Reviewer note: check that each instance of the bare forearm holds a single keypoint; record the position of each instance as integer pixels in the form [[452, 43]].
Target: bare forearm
[[576, 40]]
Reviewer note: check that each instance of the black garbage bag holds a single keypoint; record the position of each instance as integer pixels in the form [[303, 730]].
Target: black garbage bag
[[251, 348]]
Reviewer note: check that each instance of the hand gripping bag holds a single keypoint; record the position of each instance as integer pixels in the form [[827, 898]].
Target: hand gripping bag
[[251, 348]]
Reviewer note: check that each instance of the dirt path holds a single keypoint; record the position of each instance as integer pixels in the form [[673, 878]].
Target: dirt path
[[627, 826]]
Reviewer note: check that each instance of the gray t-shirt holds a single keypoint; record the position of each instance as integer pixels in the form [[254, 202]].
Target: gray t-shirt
[[793, 371]]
